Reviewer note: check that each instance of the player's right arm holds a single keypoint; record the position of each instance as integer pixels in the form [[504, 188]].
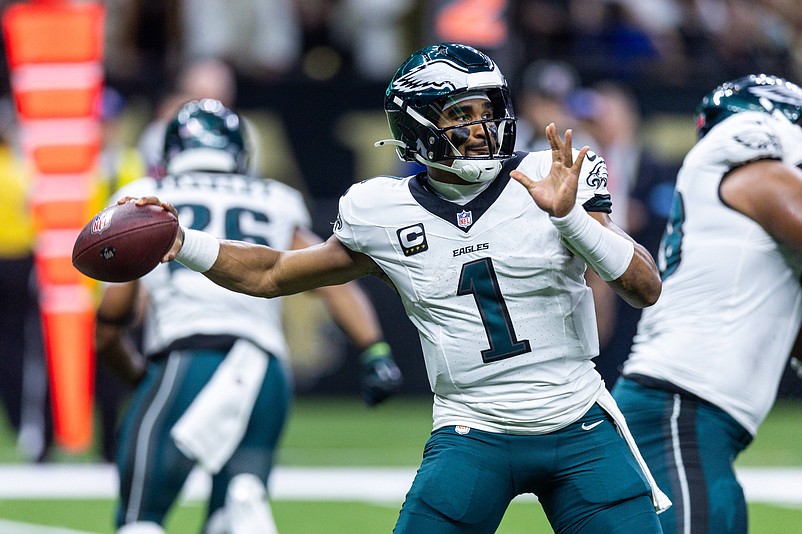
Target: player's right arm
[[265, 272], [770, 193], [261, 271]]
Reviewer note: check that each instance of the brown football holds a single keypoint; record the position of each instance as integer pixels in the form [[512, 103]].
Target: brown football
[[124, 242]]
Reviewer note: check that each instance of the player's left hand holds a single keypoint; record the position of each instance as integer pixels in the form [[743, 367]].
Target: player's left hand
[[179, 237], [556, 192], [380, 376]]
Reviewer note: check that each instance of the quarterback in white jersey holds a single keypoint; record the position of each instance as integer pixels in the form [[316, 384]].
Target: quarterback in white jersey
[[487, 249], [493, 292], [717, 342], [217, 389]]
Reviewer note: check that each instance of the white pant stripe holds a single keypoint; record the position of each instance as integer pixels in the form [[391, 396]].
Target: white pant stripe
[[681, 476], [143, 438]]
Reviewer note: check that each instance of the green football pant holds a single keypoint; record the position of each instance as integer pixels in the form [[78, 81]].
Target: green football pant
[[584, 475], [689, 446], [152, 470]]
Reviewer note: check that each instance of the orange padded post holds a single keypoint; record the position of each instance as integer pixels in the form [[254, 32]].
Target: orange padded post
[[54, 32], [54, 50], [68, 318]]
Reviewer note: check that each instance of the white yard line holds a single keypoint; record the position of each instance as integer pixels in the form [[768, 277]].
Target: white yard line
[[13, 527], [367, 484]]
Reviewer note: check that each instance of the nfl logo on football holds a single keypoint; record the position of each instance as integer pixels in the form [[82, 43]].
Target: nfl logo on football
[[464, 219], [102, 221]]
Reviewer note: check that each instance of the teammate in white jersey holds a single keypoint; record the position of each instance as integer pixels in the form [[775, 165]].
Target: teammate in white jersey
[[708, 357], [487, 250], [213, 352]]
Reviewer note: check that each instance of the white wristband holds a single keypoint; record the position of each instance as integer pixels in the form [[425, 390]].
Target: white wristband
[[607, 253], [199, 251]]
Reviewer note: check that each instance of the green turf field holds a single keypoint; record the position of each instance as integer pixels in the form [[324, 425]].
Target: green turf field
[[325, 518], [341, 432]]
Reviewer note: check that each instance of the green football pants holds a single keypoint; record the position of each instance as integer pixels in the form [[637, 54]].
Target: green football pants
[[151, 468], [584, 475], [689, 446]]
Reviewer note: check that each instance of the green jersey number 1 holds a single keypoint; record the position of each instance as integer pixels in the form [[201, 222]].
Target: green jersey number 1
[[478, 278]]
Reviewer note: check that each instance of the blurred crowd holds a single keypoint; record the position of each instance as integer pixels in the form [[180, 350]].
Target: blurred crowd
[[601, 67], [660, 44], [664, 43]]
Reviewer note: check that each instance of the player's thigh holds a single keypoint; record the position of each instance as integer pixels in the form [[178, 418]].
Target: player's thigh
[[689, 446], [255, 453], [720, 439], [463, 485], [597, 486], [151, 468], [648, 414]]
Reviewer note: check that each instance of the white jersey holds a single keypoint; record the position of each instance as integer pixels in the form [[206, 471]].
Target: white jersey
[[731, 303], [506, 322], [183, 303]]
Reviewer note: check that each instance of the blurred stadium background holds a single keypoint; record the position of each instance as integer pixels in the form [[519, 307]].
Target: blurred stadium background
[[310, 76]]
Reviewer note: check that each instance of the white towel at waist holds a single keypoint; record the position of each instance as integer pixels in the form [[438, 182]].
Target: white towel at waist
[[213, 425], [660, 500]]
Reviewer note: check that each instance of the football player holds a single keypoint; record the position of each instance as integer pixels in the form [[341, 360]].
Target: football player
[[213, 352], [487, 249], [708, 357]]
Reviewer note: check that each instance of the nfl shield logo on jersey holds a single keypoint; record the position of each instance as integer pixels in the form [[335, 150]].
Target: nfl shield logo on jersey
[[464, 219]]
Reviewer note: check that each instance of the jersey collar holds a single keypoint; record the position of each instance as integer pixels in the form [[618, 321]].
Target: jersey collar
[[464, 216]]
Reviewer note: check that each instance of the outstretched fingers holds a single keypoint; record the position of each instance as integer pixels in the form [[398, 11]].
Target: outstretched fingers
[[555, 142], [580, 158], [522, 179], [562, 151]]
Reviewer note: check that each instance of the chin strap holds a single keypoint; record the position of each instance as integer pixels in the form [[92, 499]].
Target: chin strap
[[477, 170], [469, 170]]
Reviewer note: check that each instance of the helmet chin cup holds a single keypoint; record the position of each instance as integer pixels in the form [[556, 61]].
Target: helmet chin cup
[[473, 171], [476, 171]]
